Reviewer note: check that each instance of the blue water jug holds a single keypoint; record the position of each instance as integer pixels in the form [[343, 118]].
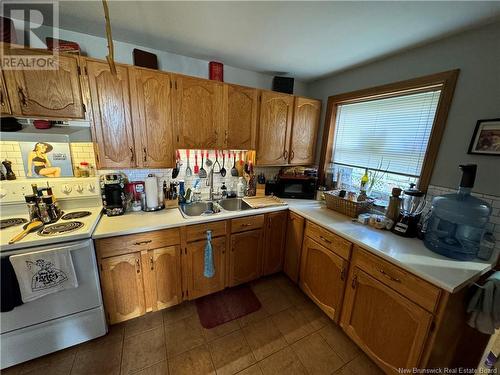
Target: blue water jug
[[458, 221]]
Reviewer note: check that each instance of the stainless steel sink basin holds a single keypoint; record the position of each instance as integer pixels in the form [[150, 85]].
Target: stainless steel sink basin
[[199, 208], [234, 204]]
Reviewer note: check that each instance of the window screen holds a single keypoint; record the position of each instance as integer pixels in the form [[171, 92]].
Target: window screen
[[389, 133]]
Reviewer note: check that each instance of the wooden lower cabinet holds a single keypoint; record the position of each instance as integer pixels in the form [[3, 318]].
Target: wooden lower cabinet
[[390, 328], [193, 265], [123, 287], [245, 258], [322, 277], [293, 245], [272, 254]]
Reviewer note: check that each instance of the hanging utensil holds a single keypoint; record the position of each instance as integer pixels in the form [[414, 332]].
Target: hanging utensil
[[28, 228], [223, 169], [196, 167], [203, 172], [175, 171], [208, 162], [234, 171], [246, 167], [216, 166], [189, 172], [240, 164]]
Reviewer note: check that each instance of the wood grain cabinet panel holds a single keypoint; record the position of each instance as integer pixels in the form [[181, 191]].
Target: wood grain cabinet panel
[[151, 96], [111, 112], [293, 245], [276, 112], [275, 232], [47, 93], [245, 258], [390, 328], [122, 287], [198, 113], [322, 277], [197, 284], [4, 97], [304, 131], [241, 113]]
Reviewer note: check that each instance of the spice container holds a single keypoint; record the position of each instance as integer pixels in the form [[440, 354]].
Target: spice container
[[84, 169]]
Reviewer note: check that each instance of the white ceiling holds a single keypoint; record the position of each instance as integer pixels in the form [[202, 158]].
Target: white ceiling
[[304, 39]]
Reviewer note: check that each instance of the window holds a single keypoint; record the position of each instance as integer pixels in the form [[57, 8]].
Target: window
[[394, 131]]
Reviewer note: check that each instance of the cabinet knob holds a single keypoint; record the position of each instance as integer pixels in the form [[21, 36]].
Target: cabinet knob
[[285, 154], [292, 155], [151, 262], [354, 282], [342, 274]]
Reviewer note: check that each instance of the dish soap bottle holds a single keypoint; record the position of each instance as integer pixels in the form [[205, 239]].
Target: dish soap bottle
[[240, 188], [458, 221]]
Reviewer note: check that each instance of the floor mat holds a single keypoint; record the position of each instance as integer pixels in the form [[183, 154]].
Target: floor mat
[[226, 305]]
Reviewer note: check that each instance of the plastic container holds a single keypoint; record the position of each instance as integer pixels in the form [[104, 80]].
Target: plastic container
[[458, 221]]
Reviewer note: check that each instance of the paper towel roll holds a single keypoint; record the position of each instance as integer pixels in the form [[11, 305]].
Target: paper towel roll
[[151, 191]]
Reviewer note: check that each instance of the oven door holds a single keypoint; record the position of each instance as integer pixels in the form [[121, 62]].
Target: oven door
[[86, 296]]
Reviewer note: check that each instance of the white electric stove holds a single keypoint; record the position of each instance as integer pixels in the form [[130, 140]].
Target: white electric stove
[[68, 317]]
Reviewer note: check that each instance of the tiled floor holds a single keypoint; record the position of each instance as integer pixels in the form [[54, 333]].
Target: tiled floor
[[288, 335]]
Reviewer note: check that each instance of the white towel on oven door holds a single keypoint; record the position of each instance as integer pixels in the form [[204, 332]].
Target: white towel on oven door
[[44, 272]]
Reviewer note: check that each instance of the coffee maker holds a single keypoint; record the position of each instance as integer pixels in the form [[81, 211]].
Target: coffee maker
[[113, 193], [412, 205]]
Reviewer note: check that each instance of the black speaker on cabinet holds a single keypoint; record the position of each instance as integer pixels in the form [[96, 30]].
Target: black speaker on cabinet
[[283, 84]]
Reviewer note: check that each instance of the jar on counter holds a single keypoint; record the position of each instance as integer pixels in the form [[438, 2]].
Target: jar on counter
[[84, 169]]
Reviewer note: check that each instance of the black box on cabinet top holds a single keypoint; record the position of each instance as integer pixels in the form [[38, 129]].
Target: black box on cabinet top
[[283, 84]]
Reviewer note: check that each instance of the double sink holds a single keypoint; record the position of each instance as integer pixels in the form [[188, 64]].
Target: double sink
[[205, 208]]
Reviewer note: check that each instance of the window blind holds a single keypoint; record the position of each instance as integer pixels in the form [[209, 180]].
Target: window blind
[[389, 134]]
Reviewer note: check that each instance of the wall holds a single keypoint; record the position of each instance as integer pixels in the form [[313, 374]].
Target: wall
[[477, 54]]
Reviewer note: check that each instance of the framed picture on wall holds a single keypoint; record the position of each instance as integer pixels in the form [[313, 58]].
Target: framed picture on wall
[[486, 138], [44, 159]]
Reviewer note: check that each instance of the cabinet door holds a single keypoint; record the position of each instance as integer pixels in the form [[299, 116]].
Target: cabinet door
[[163, 278], [293, 245], [198, 285], [47, 93], [304, 130], [391, 329], [242, 108], [4, 98], [199, 113], [151, 96], [322, 277], [245, 259], [274, 128], [275, 232], [111, 112], [122, 287]]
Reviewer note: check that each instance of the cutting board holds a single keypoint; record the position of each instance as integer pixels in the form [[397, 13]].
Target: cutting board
[[266, 201]]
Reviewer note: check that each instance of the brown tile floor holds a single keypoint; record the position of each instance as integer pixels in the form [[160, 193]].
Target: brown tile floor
[[289, 335]]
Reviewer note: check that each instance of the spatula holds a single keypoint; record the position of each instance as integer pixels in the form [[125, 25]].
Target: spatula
[[28, 228], [189, 172], [196, 166], [234, 171], [203, 172], [223, 169]]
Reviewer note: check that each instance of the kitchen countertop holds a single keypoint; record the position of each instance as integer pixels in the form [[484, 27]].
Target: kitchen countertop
[[408, 253]]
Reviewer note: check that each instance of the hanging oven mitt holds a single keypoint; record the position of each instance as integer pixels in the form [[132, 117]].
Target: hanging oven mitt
[[209, 270]]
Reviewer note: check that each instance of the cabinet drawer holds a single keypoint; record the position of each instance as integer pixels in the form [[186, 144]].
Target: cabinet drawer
[[199, 231], [108, 247], [247, 223], [331, 241], [407, 284]]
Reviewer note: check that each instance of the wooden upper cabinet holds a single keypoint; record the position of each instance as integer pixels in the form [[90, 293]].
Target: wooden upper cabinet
[[293, 245], [275, 232], [198, 113], [151, 97], [197, 284], [241, 113], [111, 112], [4, 97], [245, 258], [322, 277], [274, 129], [304, 130], [122, 287], [47, 93], [391, 329]]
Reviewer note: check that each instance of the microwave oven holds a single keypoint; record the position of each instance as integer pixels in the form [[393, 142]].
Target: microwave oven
[[297, 187]]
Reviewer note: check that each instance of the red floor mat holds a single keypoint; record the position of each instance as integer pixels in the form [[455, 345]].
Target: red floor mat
[[226, 305]]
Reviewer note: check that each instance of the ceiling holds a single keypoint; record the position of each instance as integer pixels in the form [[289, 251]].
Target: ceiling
[[307, 40]]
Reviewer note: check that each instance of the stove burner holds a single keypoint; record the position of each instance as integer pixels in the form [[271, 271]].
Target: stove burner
[[76, 215], [60, 228], [11, 222]]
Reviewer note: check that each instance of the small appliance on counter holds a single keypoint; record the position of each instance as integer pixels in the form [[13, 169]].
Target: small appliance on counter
[[412, 205], [113, 193], [294, 182], [152, 200]]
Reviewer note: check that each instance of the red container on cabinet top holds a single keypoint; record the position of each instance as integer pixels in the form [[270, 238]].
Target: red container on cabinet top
[[216, 71]]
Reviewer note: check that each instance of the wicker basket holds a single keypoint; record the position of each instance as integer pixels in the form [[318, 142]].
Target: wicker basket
[[344, 206]]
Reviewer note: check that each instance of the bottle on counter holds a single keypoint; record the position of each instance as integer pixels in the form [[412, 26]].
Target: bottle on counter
[[394, 207], [240, 188], [43, 212], [364, 181], [32, 207], [223, 190]]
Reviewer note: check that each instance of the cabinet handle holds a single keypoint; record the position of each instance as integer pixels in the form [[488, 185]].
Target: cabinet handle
[[342, 274], [145, 154], [392, 278], [2, 101], [354, 282], [143, 242], [325, 239], [292, 155], [137, 266], [131, 153], [22, 96], [245, 224], [151, 262], [285, 154]]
